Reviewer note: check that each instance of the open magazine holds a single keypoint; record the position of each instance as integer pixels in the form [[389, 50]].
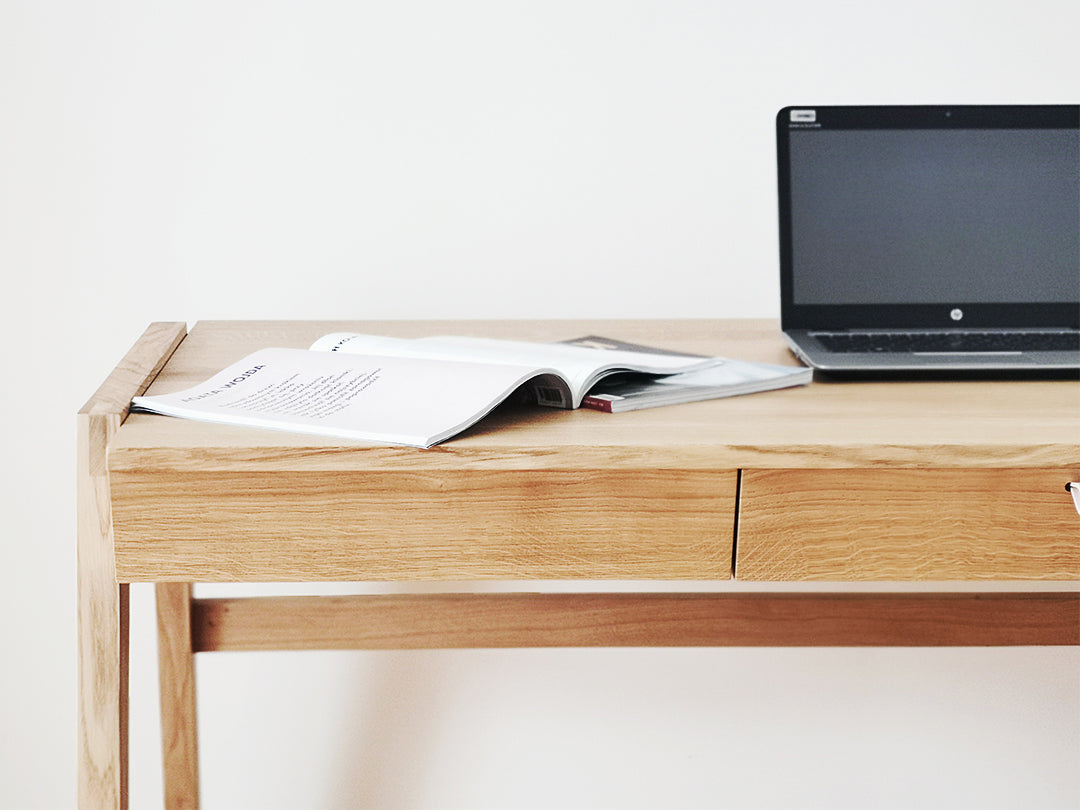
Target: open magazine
[[414, 392]]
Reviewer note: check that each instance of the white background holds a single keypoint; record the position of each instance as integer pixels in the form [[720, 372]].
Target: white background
[[230, 159]]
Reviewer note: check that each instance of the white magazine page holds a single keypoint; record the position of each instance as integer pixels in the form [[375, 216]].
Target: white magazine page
[[580, 366], [733, 372], [355, 343], [401, 400]]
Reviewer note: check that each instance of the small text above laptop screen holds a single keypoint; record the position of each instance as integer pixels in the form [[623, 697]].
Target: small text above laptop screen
[[929, 215]]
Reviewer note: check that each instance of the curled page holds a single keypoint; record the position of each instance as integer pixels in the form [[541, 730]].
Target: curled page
[[1074, 490], [400, 400]]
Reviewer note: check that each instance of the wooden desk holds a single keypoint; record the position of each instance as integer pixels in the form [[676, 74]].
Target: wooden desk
[[920, 513]]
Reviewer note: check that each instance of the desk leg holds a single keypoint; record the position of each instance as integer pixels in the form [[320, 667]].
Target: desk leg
[[103, 636], [176, 665], [102, 601]]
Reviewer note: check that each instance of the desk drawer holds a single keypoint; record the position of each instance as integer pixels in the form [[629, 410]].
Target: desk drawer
[[907, 524], [423, 525]]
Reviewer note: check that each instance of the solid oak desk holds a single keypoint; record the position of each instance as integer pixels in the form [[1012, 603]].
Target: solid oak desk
[[877, 513]]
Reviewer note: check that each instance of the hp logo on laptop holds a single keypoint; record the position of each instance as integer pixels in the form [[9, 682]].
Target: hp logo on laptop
[[957, 314]]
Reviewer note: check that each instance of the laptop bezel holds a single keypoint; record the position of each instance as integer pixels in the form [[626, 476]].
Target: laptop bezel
[[976, 314]]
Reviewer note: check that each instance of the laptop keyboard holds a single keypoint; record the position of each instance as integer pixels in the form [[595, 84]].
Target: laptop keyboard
[[950, 342]]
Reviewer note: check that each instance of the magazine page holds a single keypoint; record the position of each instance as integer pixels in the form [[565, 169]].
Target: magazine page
[[400, 400], [580, 366], [726, 378], [732, 378]]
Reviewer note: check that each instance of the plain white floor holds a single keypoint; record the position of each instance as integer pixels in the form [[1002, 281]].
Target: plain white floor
[[168, 161]]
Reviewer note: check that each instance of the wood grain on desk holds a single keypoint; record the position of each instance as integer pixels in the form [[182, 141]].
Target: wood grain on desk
[[102, 600], [921, 482], [906, 524], [839, 480]]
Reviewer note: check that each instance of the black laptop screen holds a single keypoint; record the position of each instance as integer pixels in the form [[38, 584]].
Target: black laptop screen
[[885, 216]]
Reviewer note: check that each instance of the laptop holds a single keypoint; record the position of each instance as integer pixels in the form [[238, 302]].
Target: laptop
[[930, 238]]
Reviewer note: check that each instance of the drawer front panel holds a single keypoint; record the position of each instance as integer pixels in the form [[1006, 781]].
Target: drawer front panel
[[907, 524], [440, 525]]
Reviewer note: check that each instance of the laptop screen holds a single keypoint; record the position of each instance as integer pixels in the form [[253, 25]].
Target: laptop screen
[[908, 213]]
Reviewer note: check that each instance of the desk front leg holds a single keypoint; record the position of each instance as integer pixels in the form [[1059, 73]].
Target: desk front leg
[[102, 600], [103, 635]]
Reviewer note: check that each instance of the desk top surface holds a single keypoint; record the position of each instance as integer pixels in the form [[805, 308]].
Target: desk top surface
[[970, 423]]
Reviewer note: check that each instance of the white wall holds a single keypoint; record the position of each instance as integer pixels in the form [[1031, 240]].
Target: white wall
[[240, 159]]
